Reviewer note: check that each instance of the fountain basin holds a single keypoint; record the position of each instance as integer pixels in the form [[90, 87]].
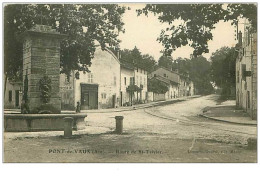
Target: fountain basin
[[41, 122]]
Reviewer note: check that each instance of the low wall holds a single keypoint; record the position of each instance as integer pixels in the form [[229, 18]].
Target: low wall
[[41, 122]]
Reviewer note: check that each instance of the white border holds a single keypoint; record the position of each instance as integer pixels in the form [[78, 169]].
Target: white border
[[122, 172]]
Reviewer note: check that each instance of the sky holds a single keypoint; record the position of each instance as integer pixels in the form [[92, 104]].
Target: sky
[[143, 31]]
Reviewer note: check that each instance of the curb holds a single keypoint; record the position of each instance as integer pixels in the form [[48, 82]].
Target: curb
[[225, 121], [146, 106]]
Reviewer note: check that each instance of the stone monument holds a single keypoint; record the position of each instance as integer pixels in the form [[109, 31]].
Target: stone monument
[[41, 57]]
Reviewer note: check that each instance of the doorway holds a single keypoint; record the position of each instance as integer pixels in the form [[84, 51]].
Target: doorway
[[89, 96]]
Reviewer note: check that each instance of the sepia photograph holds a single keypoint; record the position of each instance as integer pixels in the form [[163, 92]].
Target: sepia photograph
[[129, 82]]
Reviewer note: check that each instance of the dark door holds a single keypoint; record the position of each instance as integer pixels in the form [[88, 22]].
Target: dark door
[[85, 100], [17, 98], [89, 96], [114, 101]]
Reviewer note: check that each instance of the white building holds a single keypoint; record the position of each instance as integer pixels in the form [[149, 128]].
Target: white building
[[135, 77], [99, 88], [171, 78], [13, 94], [246, 71]]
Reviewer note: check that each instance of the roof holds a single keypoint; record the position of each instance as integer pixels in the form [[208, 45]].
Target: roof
[[162, 79]]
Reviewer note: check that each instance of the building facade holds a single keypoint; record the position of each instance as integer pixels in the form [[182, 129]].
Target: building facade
[[246, 71], [186, 86], [97, 89], [133, 77], [13, 94], [170, 78], [127, 74]]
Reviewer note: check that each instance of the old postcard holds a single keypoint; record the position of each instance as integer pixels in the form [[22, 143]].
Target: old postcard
[[130, 83]]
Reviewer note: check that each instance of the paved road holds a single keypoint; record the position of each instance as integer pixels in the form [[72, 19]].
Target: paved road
[[171, 133]]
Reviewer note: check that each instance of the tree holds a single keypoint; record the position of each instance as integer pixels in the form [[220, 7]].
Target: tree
[[83, 23], [199, 73], [136, 58], [148, 62], [198, 69], [196, 22], [165, 61], [157, 86], [223, 69]]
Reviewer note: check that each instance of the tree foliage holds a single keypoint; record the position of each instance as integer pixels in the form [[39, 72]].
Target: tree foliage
[[196, 22], [85, 24], [223, 68], [136, 58], [165, 61], [197, 68], [157, 86]]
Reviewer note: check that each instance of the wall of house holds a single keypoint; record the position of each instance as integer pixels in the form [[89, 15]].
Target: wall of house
[[105, 73], [141, 79], [172, 92], [246, 86], [67, 92], [158, 97], [126, 74], [12, 88], [165, 73]]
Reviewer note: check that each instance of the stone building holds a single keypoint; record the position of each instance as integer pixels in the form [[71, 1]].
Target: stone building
[[100, 88], [246, 71]]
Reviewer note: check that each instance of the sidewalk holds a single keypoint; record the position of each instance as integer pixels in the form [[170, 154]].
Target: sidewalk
[[227, 112], [137, 106], [120, 109]]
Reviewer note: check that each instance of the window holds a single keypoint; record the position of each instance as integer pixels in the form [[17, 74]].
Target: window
[[164, 75], [137, 69], [125, 80], [244, 71], [90, 78], [132, 80], [10, 96], [67, 78], [154, 75], [141, 80], [103, 95]]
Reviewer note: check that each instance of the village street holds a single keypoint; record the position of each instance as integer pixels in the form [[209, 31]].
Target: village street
[[171, 133]]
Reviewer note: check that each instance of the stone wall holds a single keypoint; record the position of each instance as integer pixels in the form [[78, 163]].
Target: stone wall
[[41, 56]]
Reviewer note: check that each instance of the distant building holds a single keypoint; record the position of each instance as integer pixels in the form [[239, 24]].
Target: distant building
[[186, 86], [178, 85], [133, 84], [246, 71], [170, 78], [100, 88], [127, 78], [13, 94]]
